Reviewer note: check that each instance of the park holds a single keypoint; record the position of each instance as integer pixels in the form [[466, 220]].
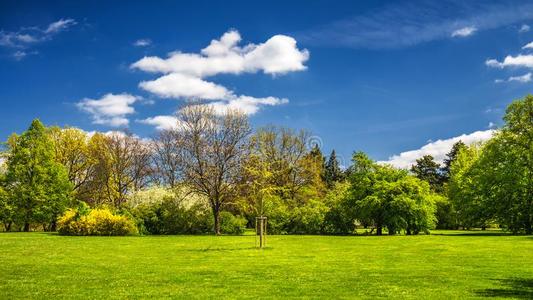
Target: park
[[266, 149]]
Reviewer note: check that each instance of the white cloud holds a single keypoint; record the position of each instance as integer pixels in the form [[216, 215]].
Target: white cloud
[[437, 149], [59, 26], [184, 73], [27, 37], [176, 85], [142, 43], [464, 32], [110, 110], [246, 104], [278, 55], [524, 78], [162, 122], [524, 28], [528, 46], [492, 125], [512, 61]]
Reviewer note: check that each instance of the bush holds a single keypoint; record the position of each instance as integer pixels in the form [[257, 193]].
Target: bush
[[171, 216], [230, 224], [96, 222]]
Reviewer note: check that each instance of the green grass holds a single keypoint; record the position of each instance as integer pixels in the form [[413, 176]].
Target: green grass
[[445, 265]]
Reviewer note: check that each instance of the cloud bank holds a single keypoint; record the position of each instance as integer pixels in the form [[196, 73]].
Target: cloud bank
[[437, 149]]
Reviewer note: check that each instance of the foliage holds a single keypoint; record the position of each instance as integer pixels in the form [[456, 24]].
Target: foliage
[[230, 224], [98, 221], [332, 170], [387, 197], [428, 170], [38, 184]]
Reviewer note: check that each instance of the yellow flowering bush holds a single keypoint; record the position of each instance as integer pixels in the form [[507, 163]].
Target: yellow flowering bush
[[96, 222]]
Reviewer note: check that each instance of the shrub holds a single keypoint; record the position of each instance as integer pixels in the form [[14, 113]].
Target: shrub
[[96, 222], [230, 224], [171, 216]]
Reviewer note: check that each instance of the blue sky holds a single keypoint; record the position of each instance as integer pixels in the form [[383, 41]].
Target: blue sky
[[396, 80]]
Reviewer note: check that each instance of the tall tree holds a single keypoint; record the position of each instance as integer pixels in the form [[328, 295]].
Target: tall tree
[[39, 184], [450, 158], [167, 158], [332, 172], [212, 146], [428, 170], [504, 174], [71, 150]]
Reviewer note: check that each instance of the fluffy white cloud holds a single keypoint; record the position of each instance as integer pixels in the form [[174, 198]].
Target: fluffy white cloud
[[184, 73], [162, 122], [464, 32], [142, 43], [110, 110], [528, 46], [512, 61], [437, 149], [246, 104], [524, 28], [176, 85], [278, 55]]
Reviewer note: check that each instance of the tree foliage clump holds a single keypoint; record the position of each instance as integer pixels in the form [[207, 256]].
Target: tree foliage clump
[[389, 198]]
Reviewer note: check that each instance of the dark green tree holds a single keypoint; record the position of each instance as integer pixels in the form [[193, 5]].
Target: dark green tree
[[428, 170], [450, 157], [37, 183], [332, 171]]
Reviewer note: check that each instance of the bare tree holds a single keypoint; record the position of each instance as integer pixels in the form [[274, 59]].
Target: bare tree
[[166, 147], [212, 147]]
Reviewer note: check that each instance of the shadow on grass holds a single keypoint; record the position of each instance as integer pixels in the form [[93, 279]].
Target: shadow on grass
[[470, 233], [518, 288]]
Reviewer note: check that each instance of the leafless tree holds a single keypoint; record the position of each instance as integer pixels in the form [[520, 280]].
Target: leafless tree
[[166, 147], [212, 147]]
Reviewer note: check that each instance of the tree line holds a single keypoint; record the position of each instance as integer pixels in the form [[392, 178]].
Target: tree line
[[212, 172]]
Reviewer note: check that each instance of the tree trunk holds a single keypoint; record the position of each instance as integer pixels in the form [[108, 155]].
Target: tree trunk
[[8, 226], [53, 226], [26, 227], [216, 216], [379, 230]]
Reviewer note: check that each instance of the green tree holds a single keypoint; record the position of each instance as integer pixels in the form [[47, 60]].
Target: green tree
[[37, 183], [332, 172], [387, 197], [428, 170], [463, 190], [504, 172], [450, 158]]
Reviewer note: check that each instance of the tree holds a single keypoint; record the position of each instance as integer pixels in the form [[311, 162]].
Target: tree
[[72, 151], [39, 184], [332, 172], [212, 147], [463, 192], [387, 197], [167, 158], [450, 158], [504, 172], [428, 170]]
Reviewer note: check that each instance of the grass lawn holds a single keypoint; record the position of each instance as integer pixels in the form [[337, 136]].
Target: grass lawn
[[443, 265]]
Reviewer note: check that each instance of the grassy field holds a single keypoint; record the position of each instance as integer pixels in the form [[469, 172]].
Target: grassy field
[[440, 266]]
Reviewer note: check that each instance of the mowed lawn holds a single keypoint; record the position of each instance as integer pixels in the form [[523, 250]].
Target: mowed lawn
[[443, 265]]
